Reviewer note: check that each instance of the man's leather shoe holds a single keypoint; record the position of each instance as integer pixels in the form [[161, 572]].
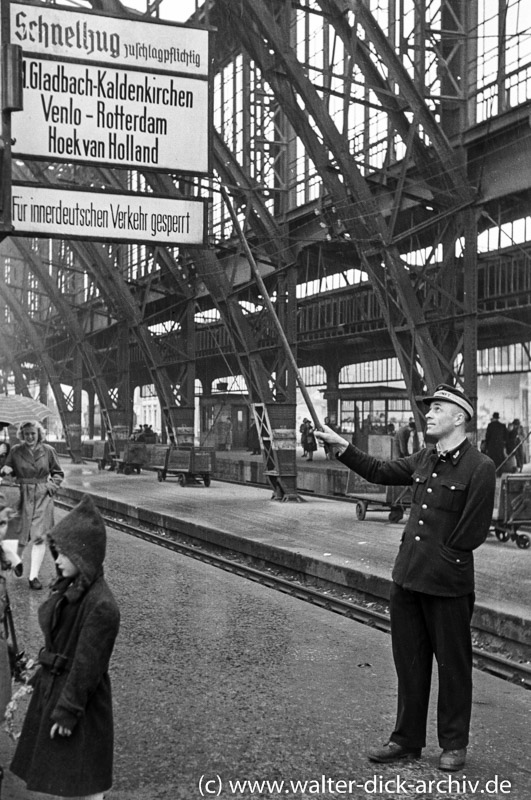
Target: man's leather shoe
[[393, 752], [19, 569], [35, 583], [451, 760]]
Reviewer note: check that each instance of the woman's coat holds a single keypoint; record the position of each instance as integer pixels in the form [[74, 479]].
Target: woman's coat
[[39, 474]]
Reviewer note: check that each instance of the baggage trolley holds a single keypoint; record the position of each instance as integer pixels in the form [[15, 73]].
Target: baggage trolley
[[133, 458], [191, 466], [397, 500], [514, 509]]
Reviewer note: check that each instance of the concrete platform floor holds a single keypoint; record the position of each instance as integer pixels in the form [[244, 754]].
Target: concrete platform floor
[[321, 536], [218, 679]]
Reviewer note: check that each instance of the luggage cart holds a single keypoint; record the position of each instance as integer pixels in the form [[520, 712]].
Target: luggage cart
[[397, 500], [514, 509], [133, 458], [191, 466]]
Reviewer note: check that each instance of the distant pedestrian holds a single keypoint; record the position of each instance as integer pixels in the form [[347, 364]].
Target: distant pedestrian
[[66, 744], [407, 439], [36, 467], [515, 438], [303, 430], [309, 445], [253, 439], [496, 439]]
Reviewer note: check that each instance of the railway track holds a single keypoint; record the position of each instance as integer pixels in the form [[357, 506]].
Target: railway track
[[485, 660]]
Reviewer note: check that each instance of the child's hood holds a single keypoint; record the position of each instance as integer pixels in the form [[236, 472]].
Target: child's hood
[[81, 537]]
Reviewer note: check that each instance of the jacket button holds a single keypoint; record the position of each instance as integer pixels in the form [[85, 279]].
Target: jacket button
[[458, 560], [417, 538], [452, 487], [429, 490], [424, 505], [421, 522], [433, 474]]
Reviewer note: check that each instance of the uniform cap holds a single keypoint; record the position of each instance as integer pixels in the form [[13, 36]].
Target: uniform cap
[[450, 394]]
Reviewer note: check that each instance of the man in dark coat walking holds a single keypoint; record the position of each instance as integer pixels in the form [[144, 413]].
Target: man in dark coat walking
[[66, 744], [432, 593], [496, 439]]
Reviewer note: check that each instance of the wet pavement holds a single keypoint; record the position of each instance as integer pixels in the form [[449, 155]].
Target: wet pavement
[[321, 537], [217, 679]]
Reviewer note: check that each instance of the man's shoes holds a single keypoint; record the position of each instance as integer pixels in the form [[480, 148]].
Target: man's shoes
[[19, 569], [452, 760], [393, 752], [35, 583]]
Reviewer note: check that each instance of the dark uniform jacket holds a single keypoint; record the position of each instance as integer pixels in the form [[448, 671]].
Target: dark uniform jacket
[[451, 511]]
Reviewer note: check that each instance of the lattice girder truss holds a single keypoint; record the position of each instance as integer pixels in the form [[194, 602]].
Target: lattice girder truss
[[54, 377], [111, 414], [425, 356]]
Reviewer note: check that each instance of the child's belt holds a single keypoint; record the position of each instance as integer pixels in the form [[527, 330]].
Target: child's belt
[[55, 662]]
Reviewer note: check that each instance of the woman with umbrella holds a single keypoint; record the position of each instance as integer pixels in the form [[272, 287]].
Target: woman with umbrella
[[39, 474]]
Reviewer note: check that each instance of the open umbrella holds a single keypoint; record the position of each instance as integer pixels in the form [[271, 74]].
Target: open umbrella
[[16, 408]]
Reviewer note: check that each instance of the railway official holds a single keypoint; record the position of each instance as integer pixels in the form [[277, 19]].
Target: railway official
[[432, 594]]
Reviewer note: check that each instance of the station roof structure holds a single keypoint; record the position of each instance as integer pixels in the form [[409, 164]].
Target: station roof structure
[[377, 156]]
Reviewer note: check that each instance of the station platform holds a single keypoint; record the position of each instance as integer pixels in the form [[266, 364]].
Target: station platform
[[225, 688], [320, 537]]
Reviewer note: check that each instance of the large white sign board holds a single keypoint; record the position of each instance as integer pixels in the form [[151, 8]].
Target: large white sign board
[[63, 33], [44, 211], [84, 113]]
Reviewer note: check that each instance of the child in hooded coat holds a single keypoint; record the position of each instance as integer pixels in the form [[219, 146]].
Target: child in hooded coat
[[66, 744], [8, 561]]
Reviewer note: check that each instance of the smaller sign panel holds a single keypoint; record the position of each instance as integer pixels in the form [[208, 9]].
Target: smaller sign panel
[[143, 44], [59, 213]]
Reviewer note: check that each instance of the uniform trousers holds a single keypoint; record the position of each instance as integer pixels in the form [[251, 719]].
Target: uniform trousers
[[424, 626]]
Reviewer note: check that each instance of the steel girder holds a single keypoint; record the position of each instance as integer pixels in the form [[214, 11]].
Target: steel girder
[[239, 184], [21, 384], [280, 464], [54, 378], [258, 377], [267, 44], [98, 263], [110, 414], [413, 338], [118, 296]]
